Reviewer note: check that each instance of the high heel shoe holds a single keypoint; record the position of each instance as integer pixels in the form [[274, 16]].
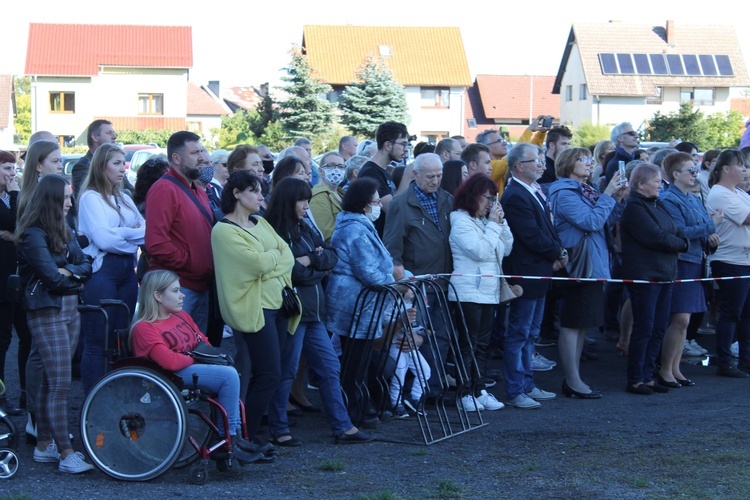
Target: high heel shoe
[[305, 408], [568, 392], [666, 383], [685, 383]]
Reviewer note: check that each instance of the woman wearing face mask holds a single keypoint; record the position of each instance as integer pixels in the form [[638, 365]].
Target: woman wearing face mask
[[327, 195], [363, 261]]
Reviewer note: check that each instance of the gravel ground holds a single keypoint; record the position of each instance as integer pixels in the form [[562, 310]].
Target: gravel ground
[[690, 443]]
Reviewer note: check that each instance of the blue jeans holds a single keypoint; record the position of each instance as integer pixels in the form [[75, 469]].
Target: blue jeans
[[259, 365], [524, 323], [734, 313], [196, 305], [651, 304], [225, 383], [311, 338], [116, 279]]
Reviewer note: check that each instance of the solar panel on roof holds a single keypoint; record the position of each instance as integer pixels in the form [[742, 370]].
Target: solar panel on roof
[[725, 65], [626, 64], [609, 66], [641, 64], [674, 61], [659, 64], [708, 65], [691, 64]]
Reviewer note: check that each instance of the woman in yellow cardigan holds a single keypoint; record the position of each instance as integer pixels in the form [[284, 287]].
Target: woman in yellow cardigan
[[252, 266]]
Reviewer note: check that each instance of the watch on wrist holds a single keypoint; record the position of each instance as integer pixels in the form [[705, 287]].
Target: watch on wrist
[[563, 254]]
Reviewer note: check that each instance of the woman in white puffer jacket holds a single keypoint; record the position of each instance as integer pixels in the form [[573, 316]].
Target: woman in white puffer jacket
[[479, 240]]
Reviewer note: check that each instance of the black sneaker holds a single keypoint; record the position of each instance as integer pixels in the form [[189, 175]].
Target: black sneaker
[[489, 382], [545, 342], [731, 372]]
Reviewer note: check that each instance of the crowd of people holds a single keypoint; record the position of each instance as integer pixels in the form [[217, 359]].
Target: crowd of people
[[276, 252]]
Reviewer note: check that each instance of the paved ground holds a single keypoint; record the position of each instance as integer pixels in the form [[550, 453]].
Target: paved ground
[[691, 443]]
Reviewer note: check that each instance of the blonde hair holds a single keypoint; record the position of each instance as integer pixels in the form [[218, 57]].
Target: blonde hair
[[153, 281]]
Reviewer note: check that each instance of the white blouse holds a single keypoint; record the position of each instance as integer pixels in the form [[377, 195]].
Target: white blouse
[[108, 230]]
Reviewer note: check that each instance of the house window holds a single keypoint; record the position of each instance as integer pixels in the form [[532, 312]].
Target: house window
[[150, 104], [657, 98], [583, 92], [472, 122], [195, 127], [569, 93], [703, 97], [62, 102], [436, 98], [435, 137], [686, 95]]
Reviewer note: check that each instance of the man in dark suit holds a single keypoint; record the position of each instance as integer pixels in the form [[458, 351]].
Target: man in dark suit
[[537, 251]]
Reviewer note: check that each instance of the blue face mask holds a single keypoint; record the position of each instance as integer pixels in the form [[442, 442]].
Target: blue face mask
[[207, 173]]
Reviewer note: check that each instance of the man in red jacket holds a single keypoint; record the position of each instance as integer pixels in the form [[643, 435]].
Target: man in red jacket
[[179, 222]]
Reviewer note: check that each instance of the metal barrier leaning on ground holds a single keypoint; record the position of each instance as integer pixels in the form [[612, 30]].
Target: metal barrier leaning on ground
[[365, 361]]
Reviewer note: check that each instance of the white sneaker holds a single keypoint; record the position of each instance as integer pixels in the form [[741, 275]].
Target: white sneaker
[[541, 364], [74, 464], [489, 401], [735, 350], [695, 345], [540, 395], [470, 403], [50, 455], [227, 333], [689, 350]]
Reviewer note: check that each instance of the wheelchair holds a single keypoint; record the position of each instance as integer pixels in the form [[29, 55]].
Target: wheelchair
[[140, 420], [8, 444]]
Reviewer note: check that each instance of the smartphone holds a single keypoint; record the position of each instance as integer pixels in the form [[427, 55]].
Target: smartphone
[[547, 122], [621, 168]]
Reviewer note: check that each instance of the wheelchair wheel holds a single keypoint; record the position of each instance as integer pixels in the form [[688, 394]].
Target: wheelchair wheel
[[8, 434], [8, 463], [134, 424]]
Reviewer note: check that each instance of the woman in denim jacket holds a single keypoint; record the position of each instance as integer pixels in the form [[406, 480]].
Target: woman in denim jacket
[[687, 298], [363, 262]]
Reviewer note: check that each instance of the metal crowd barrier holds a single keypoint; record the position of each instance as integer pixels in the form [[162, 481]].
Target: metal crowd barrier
[[365, 361]]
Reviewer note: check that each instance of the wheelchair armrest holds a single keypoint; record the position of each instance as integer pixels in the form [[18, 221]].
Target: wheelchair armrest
[[148, 363]]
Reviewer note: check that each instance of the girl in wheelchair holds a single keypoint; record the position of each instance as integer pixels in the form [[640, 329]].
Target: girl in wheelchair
[[164, 333]]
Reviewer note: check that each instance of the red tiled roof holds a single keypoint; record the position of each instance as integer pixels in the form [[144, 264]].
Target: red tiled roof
[[200, 102], [79, 49], [418, 55], [508, 97], [6, 94], [145, 122]]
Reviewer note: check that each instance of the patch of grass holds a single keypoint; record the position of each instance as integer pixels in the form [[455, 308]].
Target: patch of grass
[[639, 482], [16, 497], [333, 465], [448, 489], [379, 495], [418, 451]]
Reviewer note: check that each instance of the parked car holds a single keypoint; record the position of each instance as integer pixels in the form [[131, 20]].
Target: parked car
[[69, 161], [130, 150], [139, 158]]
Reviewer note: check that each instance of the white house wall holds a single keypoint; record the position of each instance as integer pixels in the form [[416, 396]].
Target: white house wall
[[435, 119]]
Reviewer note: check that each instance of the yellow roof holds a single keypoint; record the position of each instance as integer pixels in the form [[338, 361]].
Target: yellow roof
[[418, 56]]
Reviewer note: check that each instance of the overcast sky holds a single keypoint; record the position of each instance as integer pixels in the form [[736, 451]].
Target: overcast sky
[[247, 43]]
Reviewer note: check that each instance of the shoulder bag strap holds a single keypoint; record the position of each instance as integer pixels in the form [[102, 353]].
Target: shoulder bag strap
[[208, 216]]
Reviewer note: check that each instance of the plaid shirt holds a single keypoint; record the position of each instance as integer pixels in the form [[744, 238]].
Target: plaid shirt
[[429, 203]]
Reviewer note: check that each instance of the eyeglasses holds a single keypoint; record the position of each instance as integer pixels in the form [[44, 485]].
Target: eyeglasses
[[495, 142], [220, 163], [587, 160], [333, 165], [402, 144], [375, 203], [490, 199], [535, 160], [632, 133], [693, 170]]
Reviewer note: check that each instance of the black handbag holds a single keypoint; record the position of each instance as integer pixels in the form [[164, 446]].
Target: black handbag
[[206, 354], [290, 304], [580, 262]]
